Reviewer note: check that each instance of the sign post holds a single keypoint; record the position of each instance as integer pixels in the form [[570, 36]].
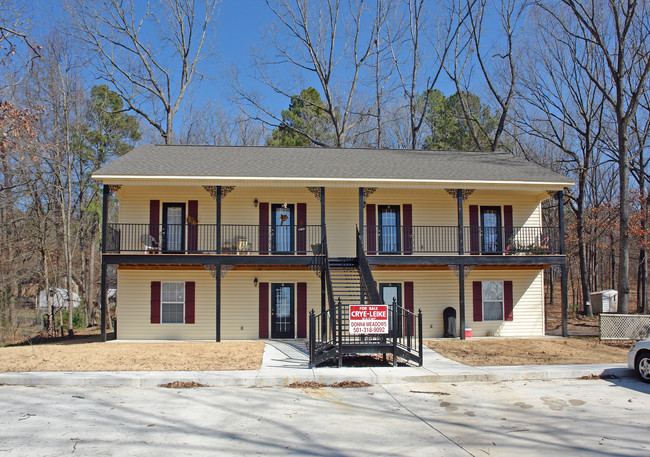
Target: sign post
[[368, 319]]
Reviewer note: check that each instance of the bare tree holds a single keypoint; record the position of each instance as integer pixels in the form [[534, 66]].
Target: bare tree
[[620, 32], [565, 108], [639, 165], [413, 61], [152, 78], [322, 41], [496, 59], [211, 124], [14, 32]]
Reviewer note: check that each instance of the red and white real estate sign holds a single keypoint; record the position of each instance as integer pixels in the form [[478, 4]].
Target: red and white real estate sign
[[368, 319]]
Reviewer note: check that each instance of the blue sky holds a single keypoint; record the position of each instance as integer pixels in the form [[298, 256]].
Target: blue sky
[[239, 26]]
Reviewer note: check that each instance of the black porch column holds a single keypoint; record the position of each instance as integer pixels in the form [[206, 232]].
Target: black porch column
[[361, 201], [564, 278], [102, 291], [323, 227], [323, 235], [218, 219], [459, 200], [103, 286], [218, 270], [218, 303], [106, 193], [461, 299]]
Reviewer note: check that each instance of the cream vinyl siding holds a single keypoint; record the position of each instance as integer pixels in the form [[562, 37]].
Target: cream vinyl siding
[[236, 208], [433, 291], [240, 300], [134, 202], [438, 208], [341, 219], [430, 207], [239, 303], [134, 306]]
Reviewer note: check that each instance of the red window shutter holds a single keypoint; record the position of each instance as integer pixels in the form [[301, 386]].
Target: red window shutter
[[407, 222], [301, 229], [155, 302], [192, 229], [154, 219], [371, 229], [507, 223], [264, 229], [408, 295], [302, 309], [264, 309], [190, 287], [408, 304], [507, 300], [477, 288], [474, 230]]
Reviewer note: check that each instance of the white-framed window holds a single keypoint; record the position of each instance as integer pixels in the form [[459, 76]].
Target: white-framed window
[[172, 303], [492, 300]]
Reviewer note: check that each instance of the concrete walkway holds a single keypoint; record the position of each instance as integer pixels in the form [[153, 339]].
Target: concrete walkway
[[285, 362]]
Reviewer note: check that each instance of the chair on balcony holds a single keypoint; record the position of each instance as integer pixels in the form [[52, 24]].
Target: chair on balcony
[[150, 244]]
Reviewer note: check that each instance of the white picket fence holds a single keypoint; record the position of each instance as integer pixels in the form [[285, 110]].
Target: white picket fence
[[624, 326]]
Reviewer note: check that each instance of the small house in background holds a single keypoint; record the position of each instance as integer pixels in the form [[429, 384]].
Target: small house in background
[[215, 243], [58, 298]]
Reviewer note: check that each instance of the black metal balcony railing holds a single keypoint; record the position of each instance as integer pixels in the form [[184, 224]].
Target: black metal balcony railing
[[202, 239], [397, 240]]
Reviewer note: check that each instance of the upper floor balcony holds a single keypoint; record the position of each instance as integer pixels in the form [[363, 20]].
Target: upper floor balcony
[[293, 239], [231, 239], [445, 240]]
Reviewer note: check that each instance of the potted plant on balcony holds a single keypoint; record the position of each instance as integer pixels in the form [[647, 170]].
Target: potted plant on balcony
[[514, 248], [316, 248]]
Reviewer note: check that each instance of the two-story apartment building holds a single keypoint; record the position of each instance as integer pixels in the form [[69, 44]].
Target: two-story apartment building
[[216, 243]]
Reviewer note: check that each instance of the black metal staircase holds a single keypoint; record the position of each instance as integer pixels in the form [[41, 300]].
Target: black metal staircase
[[346, 281], [349, 282]]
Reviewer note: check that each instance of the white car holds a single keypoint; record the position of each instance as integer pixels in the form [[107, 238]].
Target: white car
[[639, 359]]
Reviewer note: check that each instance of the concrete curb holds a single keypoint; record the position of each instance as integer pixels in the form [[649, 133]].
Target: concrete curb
[[276, 377]]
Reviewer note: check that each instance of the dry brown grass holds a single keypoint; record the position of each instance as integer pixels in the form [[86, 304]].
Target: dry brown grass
[[118, 356], [543, 351]]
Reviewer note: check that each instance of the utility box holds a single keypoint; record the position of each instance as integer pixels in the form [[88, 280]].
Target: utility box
[[604, 301]]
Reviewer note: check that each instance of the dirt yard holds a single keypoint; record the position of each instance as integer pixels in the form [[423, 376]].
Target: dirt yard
[[543, 351], [81, 355]]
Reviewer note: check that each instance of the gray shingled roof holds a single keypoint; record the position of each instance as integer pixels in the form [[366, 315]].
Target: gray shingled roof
[[266, 162]]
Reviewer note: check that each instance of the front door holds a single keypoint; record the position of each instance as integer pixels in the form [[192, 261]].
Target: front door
[[282, 315], [173, 230], [391, 293], [282, 229], [491, 229], [389, 239]]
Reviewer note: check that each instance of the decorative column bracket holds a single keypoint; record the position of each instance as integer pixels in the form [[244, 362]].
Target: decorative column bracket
[[456, 270], [212, 269], [466, 193], [114, 187], [316, 268], [225, 269], [368, 191], [316, 192], [212, 190]]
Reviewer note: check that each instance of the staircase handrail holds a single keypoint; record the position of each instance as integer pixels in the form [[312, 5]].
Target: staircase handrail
[[366, 274], [328, 278]]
